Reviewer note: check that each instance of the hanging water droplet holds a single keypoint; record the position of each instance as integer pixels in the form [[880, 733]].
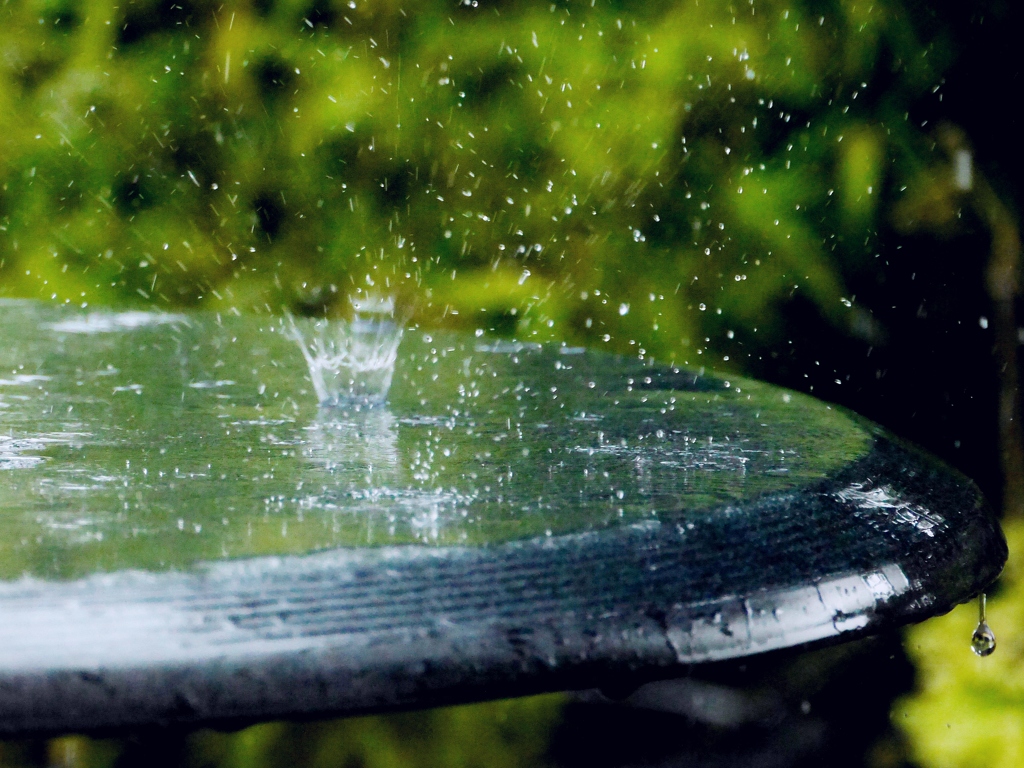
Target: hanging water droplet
[[983, 641]]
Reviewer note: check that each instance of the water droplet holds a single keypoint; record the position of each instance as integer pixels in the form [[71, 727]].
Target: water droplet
[[983, 641], [623, 309]]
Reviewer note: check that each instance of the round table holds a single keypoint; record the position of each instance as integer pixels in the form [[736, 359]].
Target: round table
[[190, 538]]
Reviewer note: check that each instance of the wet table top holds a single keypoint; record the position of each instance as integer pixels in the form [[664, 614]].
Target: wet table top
[[188, 537]]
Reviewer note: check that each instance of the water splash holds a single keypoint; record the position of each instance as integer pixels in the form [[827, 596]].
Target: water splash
[[351, 363], [983, 641]]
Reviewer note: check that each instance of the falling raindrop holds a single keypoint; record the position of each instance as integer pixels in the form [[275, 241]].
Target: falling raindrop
[[983, 641]]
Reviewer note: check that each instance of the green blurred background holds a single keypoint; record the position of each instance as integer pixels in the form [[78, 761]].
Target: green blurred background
[[813, 193]]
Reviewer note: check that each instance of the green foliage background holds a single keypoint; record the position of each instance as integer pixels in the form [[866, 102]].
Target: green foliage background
[[532, 168], [657, 177], [970, 710]]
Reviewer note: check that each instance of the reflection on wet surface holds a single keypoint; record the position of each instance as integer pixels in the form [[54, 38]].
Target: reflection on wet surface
[[155, 440]]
